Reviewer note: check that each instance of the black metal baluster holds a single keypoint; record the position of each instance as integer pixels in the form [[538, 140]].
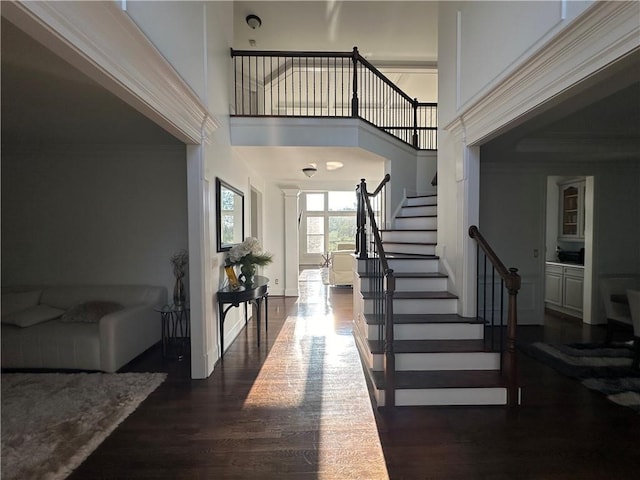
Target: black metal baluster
[[501, 320], [484, 294], [493, 308]]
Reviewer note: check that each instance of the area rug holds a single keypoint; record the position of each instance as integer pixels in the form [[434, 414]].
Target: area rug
[[52, 421], [605, 368]]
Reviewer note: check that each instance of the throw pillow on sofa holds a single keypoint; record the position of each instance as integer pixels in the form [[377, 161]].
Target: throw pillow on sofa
[[90, 312], [32, 315], [16, 301]]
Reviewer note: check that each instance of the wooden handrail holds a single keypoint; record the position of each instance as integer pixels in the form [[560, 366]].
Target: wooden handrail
[[382, 76], [376, 233], [383, 182], [512, 282], [510, 276], [279, 53]]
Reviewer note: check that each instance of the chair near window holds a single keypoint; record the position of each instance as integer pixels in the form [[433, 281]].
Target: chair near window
[[342, 264], [613, 291], [634, 307], [341, 267]]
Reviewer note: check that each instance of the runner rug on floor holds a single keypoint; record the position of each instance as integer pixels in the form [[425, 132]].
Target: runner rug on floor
[[605, 368], [51, 422]]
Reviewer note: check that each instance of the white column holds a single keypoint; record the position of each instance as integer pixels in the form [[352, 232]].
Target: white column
[[291, 246], [468, 184]]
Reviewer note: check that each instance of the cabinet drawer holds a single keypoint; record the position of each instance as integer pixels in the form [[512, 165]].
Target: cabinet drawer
[[574, 272], [553, 269]]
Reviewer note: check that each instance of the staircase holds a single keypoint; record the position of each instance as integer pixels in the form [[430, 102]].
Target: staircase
[[441, 358]]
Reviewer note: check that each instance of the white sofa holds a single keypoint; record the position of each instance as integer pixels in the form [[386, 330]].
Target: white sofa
[[105, 344], [341, 267]]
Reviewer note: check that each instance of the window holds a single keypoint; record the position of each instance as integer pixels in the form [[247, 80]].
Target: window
[[329, 219]]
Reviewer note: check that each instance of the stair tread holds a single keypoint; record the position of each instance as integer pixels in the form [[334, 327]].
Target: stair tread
[[410, 275], [401, 295], [433, 346], [405, 256], [392, 254], [398, 242], [422, 318], [409, 230], [416, 216], [426, 195], [443, 379]]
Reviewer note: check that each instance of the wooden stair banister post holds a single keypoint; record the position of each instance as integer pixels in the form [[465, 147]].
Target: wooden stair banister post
[[354, 99], [389, 352], [415, 123], [511, 360], [361, 219]]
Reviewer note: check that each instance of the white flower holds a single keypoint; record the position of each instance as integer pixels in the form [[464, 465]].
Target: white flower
[[250, 246]]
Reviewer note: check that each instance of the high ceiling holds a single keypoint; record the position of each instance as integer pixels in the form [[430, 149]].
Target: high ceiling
[[385, 32]]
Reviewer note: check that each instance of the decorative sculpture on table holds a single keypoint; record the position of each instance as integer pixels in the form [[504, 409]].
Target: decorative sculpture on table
[[248, 255], [179, 260]]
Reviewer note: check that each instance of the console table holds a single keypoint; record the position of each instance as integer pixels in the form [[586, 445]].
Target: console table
[[255, 293]]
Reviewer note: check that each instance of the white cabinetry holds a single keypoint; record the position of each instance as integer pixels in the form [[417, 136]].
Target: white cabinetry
[[563, 288], [553, 284]]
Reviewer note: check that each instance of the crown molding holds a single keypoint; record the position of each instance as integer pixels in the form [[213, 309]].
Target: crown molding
[[103, 42], [603, 34]]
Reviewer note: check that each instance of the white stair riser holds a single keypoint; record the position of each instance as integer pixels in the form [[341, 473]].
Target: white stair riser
[[412, 284], [409, 248], [431, 200], [419, 210], [431, 331], [410, 236], [414, 265], [448, 361], [451, 396], [425, 223], [435, 306], [441, 361]]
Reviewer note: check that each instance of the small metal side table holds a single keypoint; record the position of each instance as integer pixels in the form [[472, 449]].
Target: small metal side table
[[175, 330], [254, 293]]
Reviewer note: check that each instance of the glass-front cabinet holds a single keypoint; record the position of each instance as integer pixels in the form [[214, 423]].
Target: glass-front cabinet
[[572, 211]]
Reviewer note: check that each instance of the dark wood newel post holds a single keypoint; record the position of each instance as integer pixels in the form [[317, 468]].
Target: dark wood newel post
[[415, 123], [512, 322], [354, 99], [361, 218]]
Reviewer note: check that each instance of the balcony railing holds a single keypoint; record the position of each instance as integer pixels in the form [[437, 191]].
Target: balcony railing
[[330, 84]]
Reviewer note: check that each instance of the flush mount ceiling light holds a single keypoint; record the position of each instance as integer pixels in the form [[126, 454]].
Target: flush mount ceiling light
[[310, 171], [334, 165], [253, 21]]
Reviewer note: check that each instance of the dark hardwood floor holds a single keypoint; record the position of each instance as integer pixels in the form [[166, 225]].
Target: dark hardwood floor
[[296, 408]]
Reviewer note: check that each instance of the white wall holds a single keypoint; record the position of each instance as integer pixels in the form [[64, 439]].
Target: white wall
[[109, 214], [159, 21], [426, 168], [485, 55], [480, 43]]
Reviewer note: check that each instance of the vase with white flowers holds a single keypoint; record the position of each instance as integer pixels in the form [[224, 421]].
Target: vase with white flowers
[[248, 255]]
